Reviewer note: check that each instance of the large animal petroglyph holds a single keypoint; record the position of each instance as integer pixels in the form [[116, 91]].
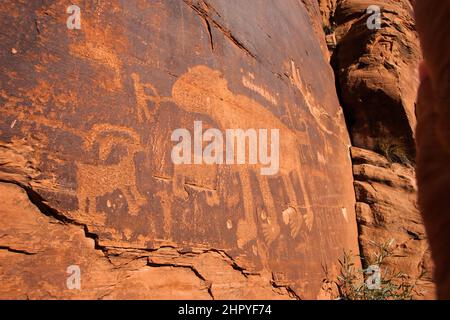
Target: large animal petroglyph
[[204, 91]]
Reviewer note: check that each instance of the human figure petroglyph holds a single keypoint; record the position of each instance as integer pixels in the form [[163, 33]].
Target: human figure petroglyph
[[142, 96]]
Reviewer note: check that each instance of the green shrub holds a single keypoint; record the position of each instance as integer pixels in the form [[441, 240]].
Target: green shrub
[[394, 151], [351, 282]]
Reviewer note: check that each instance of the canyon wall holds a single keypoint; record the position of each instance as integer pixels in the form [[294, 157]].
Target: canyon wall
[[377, 80], [86, 170], [87, 178]]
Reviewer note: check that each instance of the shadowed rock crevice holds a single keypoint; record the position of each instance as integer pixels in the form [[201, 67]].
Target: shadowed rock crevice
[[376, 74], [10, 249], [208, 284]]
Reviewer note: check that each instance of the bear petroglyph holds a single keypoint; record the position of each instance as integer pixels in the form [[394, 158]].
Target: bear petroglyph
[[204, 91]]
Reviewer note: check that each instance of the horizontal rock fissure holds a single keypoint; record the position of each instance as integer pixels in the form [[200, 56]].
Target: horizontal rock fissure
[[190, 267], [20, 251]]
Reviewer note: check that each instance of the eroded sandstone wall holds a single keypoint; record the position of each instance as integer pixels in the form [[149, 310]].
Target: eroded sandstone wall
[[85, 167], [377, 80]]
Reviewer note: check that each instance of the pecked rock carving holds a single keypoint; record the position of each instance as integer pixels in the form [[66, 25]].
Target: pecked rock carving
[[86, 173]]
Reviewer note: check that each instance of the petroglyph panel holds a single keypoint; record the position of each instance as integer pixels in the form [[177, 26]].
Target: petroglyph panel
[[93, 110]]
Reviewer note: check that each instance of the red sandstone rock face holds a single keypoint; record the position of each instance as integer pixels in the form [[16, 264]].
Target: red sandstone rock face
[[86, 173], [387, 210], [378, 81], [377, 72]]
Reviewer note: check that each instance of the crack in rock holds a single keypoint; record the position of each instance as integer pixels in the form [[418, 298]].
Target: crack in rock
[[20, 251], [202, 11], [207, 283]]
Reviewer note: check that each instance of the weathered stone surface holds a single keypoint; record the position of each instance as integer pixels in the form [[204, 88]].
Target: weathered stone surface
[[41, 247], [377, 71], [327, 9], [377, 82], [85, 130], [386, 210]]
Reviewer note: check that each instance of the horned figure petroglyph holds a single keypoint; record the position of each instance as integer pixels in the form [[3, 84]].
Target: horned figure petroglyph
[[204, 91], [143, 112], [98, 179]]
